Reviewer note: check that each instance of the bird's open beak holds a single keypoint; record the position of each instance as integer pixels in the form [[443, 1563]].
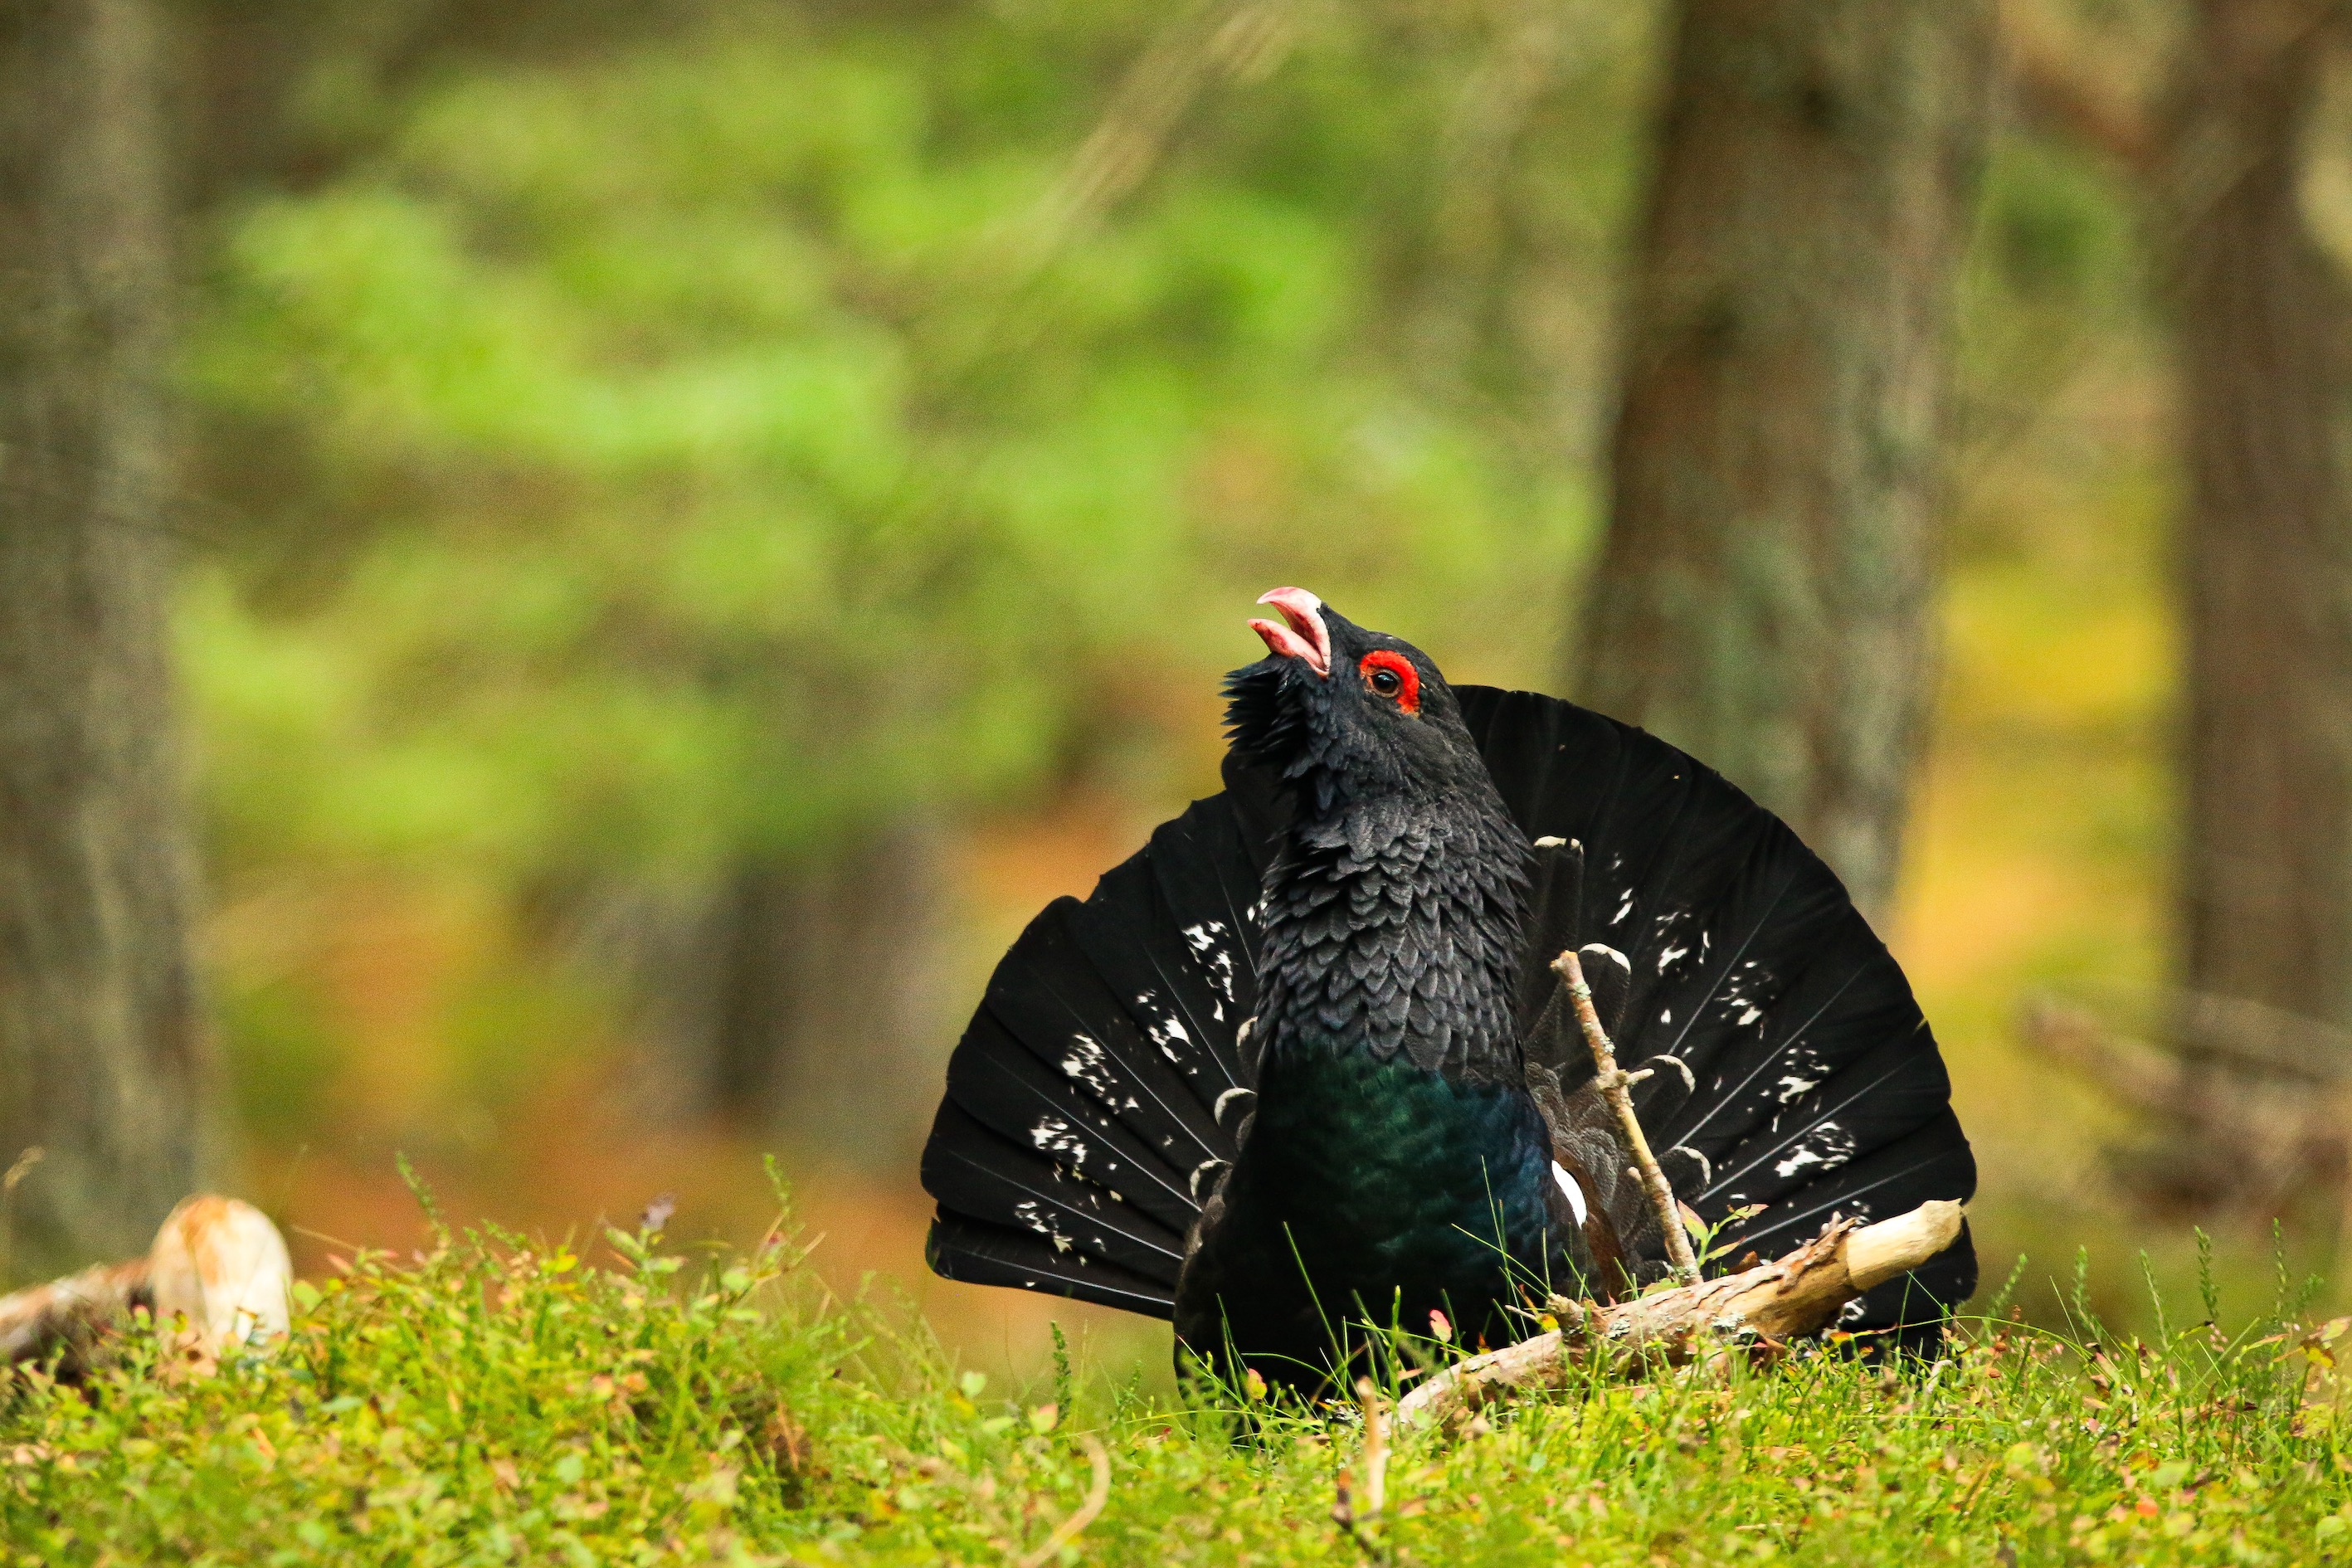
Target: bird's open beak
[[1304, 637]]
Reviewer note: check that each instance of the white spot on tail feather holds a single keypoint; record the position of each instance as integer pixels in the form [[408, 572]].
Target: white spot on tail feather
[[1824, 1148], [1052, 1135], [1033, 1214], [1087, 1062], [1165, 1029], [1805, 1072], [1216, 956]]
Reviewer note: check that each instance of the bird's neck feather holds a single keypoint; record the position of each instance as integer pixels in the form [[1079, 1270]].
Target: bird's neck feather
[[1392, 927]]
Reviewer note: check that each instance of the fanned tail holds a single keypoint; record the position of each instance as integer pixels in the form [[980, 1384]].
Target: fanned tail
[[1794, 1072], [1096, 1093], [1099, 1086]]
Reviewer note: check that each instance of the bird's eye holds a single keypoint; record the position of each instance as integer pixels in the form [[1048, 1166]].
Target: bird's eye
[[1390, 674]]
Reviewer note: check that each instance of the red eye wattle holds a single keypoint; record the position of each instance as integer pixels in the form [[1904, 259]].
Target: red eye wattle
[[1392, 676]]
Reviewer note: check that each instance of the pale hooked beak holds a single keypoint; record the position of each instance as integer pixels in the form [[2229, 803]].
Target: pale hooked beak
[[1304, 637]]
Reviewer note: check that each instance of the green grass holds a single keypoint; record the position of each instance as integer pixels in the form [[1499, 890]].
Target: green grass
[[499, 1401]]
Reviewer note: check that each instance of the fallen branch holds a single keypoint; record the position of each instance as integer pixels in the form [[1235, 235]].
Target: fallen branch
[[1616, 1086], [67, 1314], [218, 1270], [1790, 1297]]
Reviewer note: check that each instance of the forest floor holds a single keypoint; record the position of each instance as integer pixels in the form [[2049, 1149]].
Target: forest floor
[[492, 1400]]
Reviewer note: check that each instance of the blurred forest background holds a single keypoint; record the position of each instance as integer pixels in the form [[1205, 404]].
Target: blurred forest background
[[671, 527]]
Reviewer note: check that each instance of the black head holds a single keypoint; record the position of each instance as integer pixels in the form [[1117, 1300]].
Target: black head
[[1347, 712]]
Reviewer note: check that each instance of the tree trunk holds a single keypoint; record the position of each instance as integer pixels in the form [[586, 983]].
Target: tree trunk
[[2265, 560], [800, 997], [1763, 597], [824, 1026], [2266, 557], [100, 1046]]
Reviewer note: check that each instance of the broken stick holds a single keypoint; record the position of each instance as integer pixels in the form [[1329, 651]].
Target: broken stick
[[218, 1266], [1793, 1295], [1616, 1086]]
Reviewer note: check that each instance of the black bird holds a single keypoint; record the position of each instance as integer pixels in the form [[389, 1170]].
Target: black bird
[[1302, 1062]]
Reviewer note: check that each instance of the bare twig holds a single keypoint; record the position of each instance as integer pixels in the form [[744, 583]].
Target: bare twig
[[9, 1184], [1614, 1084], [21, 1169], [1376, 1450], [1354, 1507], [1235, 40], [1793, 1296], [1098, 1494]]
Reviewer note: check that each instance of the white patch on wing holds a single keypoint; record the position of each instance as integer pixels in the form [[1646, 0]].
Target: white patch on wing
[[1666, 958], [1575, 1193], [1624, 908]]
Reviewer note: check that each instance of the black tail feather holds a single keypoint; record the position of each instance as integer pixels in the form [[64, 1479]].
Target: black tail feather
[[1040, 1112], [1555, 906], [981, 1254], [1815, 1086], [1063, 1213], [1083, 1103]]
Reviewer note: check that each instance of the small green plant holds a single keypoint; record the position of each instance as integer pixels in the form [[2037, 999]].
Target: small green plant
[[503, 1400], [1708, 1239]]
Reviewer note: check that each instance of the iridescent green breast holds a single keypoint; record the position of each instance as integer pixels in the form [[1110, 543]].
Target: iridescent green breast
[[1371, 1189]]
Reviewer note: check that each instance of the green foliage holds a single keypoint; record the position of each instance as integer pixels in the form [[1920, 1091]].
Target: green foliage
[[711, 444], [498, 1401]]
